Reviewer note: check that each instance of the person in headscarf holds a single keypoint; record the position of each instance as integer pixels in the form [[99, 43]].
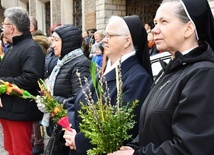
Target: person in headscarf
[[63, 80], [177, 116], [128, 43]]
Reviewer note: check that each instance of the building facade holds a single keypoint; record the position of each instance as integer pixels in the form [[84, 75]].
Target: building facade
[[85, 14]]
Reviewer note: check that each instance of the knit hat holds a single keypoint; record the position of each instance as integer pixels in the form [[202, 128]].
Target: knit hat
[[200, 14], [71, 38], [139, 38]]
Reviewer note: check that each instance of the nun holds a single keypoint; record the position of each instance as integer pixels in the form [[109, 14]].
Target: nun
[[178, 114], [128, 43]]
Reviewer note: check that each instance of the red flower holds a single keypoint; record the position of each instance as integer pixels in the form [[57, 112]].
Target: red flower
[[64, 122]]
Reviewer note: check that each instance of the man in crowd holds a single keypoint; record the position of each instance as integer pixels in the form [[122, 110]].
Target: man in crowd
[[22, 65]]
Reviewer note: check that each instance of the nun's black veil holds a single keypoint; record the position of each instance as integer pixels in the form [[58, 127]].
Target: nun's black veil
[[139, 38], [201, 14]]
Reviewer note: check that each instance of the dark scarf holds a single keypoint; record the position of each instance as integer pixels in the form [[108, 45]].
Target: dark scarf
[[201, 14], [139, 38]]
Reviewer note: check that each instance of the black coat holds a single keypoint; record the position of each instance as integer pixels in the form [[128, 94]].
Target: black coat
[[66, 87], [22, 65], [136, 85], [50, 62], [67, 83], [177, 116]]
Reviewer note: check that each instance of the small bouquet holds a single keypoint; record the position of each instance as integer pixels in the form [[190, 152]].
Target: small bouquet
[[52, 106], [55, 110], [106, 125], [12, 89]]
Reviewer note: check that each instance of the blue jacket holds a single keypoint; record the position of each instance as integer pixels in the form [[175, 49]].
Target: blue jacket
[[98, 59], [136, 85]]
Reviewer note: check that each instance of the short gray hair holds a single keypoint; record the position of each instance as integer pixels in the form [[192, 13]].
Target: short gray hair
[[34, 22], [18, 17], [100, 33]]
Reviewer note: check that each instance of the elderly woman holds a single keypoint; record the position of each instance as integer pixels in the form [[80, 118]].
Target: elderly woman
[[127, 42], [98, 36], [177, 116], [63, 81]]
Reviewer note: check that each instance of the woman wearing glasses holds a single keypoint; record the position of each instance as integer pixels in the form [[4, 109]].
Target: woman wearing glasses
[[128, 43], [177, 116]]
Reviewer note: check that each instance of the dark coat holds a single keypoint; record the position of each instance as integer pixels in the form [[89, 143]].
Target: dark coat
[[50, 62], [66, 87], [177, 116], [136, 85], [67, 83], [22, 65], [153, 50]]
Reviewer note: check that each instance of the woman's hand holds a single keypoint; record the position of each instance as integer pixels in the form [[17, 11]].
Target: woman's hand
[[41, 106], [69, 137], [124, 150]]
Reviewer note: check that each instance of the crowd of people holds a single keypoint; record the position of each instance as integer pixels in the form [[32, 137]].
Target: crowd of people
[[175, 112]]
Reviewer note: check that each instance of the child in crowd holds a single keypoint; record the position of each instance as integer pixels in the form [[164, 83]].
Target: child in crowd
[[98, 58]]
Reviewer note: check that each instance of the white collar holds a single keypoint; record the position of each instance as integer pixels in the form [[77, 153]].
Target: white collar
[[110, 67]]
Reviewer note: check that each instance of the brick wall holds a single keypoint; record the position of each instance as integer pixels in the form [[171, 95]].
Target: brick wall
[[95, 12], [105, 9]]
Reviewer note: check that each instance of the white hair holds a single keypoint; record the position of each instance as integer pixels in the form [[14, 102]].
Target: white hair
[[121, 24]]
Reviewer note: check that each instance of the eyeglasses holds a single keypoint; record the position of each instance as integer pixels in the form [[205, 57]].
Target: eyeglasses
[[5, 24], [109, 36]]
